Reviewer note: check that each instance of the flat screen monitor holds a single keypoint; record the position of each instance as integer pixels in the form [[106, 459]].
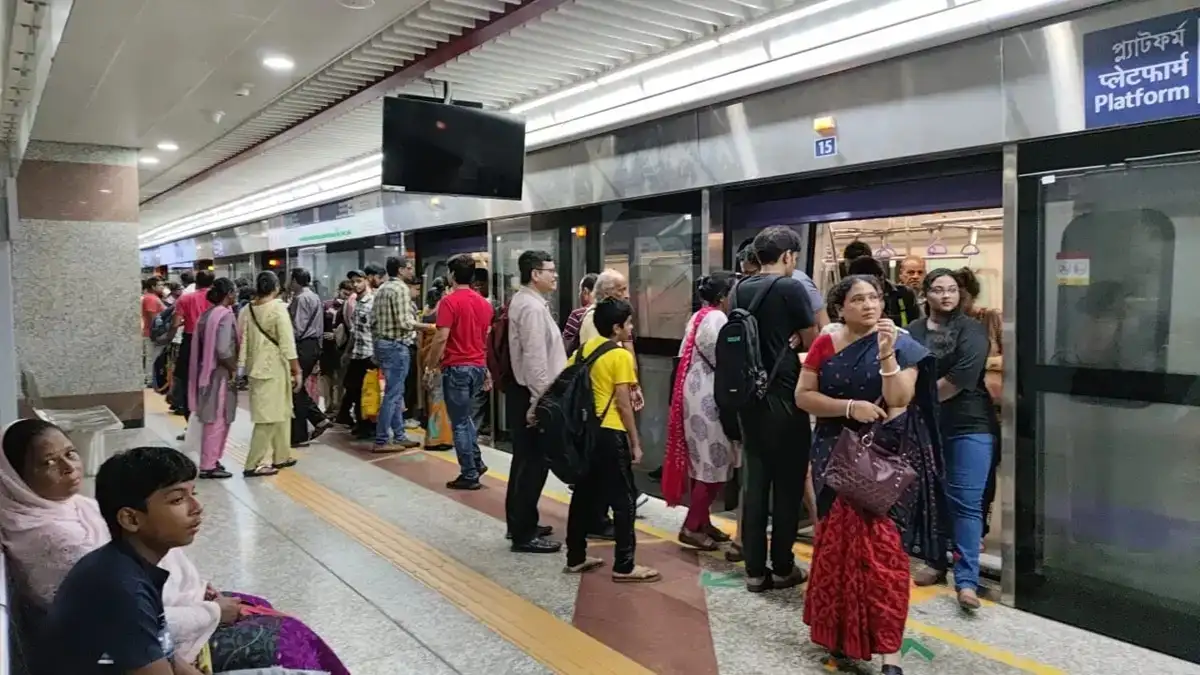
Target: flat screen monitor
[[435, 148]]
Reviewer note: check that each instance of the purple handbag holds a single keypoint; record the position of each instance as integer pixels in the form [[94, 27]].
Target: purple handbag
[[869, 476]]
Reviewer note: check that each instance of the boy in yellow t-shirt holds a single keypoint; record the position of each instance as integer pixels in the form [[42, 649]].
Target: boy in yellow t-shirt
[[609, 481]]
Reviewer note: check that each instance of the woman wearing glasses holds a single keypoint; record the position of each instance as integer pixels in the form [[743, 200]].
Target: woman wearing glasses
[[965, 421]]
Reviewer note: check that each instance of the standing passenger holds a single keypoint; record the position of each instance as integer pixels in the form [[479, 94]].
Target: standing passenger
[[268, 356], [775, 433], [857, 601], [152, 305], [360, 351], [537, 356], [213, 387], [308, 324], [697, 447], [463, 320], [188, 309], [966, 422], [394, 322], [608, 482], [570, 333]]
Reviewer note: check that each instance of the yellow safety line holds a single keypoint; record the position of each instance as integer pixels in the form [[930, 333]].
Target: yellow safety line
[[554, 643]]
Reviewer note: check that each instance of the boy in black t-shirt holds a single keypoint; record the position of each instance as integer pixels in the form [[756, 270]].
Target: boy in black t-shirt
[[775, 434], [107, 617]]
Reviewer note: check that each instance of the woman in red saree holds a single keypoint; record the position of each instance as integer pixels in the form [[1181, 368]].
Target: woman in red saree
[[869, 372]]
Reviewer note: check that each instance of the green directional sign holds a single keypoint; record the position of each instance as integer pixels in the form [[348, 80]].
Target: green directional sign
[[910, 644], [726, 580]]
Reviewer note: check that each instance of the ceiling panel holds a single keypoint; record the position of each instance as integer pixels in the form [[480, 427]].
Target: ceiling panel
[[136, 72], [578, 40]]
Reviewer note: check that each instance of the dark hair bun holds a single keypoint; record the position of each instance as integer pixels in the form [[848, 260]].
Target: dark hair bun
[[714, 287]]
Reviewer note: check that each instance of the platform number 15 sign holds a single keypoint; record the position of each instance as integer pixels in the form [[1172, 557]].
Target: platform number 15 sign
[[825, 147]]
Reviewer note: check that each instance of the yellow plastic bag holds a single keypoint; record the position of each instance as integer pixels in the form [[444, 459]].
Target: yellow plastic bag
[[372, 394]]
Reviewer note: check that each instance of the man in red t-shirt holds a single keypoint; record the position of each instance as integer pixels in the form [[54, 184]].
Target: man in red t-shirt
[[188, 309], [152, 304], [463, 319]]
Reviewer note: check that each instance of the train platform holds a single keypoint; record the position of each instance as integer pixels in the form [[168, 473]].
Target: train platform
[[401, 575]]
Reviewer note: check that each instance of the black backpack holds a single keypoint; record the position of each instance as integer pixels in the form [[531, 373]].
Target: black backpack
[[739, 376], [565, 417], [162, 325]]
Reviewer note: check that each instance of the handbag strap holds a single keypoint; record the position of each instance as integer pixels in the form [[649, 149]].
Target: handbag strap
[[259, 326]]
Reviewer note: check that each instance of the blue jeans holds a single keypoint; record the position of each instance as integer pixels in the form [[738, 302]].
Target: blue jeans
[[393, 358], [968, 462], [460, 386]]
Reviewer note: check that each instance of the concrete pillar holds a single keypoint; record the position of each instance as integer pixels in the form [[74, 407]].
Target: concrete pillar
[[75, 278]]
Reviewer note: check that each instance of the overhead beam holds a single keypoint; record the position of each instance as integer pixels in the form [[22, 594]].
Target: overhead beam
[[484, 31]]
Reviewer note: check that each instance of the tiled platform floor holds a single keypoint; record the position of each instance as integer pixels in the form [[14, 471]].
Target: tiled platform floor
[[403, 576]]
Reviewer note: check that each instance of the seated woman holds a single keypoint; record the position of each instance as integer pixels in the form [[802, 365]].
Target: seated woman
[[869, 373], [46, 526]]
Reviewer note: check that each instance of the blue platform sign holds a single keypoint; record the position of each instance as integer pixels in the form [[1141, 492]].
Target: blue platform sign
[[1142, 72], [825, 147]]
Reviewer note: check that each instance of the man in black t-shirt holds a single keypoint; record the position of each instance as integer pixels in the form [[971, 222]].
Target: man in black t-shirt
[[107, 617], [776, 434], [900, 302]]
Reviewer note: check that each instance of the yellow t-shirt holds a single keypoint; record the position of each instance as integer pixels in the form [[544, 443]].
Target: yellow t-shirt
[[615, 367]]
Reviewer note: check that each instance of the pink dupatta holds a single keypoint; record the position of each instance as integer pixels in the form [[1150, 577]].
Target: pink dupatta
[[675, 465]]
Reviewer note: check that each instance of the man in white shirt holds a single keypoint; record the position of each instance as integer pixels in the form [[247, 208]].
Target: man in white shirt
[[537, 356]]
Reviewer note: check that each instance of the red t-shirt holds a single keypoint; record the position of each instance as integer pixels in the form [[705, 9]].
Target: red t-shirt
[[468, 315], [151, 306], [190, 306]]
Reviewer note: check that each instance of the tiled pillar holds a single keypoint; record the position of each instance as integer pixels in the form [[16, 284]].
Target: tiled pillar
[[76, 273]]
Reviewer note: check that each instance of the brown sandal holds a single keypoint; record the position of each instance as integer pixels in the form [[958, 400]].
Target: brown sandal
[[260, 472], [638, 575], [697, 540], [587, 565]]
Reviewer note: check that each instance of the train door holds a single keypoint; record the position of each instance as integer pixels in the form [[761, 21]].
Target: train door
[[1108, 415]]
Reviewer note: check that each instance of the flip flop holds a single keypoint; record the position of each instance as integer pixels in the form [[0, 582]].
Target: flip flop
[[260, 472]]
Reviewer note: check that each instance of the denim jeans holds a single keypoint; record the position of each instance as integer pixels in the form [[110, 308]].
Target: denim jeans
[[460, 386], [968, 462], [394, 359]]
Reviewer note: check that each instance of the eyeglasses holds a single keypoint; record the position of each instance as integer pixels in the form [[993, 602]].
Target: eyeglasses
[[546, 269], [952, 290]]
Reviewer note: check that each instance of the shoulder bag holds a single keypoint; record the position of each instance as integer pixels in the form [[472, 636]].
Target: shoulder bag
[[866, 474]]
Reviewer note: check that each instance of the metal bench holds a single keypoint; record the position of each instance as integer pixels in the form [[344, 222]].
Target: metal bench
[[84, 426]]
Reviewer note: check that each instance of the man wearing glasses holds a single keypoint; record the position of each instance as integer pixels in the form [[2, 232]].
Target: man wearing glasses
[[537, 356]]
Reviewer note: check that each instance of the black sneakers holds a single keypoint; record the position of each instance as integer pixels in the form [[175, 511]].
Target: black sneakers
[[461, 483]]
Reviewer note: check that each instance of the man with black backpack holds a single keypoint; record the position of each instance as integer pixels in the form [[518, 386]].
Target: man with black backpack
[[757, 371]]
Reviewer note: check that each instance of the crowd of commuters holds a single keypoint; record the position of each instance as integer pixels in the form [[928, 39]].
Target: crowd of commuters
[[910, 367]]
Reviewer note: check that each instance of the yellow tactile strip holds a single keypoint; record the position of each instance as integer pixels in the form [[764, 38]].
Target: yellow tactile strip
[[554, 643]]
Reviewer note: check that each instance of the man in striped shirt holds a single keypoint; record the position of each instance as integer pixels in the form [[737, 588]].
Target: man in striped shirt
[[570, 331], [394, 323]]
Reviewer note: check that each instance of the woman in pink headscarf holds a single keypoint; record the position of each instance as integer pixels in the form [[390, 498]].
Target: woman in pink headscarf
[[46, 526], [698, 447], [212, 390]]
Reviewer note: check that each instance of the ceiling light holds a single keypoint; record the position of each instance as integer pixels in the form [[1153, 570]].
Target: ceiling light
[[147, 159], [278, 63], [105, 191], [168, 146], [357, 4]]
